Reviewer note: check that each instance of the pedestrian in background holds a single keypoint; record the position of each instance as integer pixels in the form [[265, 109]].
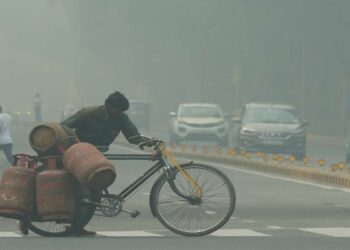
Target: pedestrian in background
[[37, 107], [5, 135]]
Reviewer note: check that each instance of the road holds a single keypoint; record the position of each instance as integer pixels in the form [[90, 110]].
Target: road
[[272, 212], [327, 148]]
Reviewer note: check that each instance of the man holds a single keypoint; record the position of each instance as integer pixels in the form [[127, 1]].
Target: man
[[5, 135], [102, 124], [37, 107]]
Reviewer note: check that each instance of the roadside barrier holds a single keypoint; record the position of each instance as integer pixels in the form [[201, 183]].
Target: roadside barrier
[[335, 174]]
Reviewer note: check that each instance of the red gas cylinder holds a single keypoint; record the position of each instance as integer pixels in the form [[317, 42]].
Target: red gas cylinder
[[24, 161], [55, 195], [89, 166], [51, 138], [17, 192]]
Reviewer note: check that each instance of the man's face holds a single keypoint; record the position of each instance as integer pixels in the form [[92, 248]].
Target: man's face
[[114, 112]]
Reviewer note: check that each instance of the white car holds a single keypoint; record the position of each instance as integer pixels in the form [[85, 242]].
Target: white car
[[199, 122]]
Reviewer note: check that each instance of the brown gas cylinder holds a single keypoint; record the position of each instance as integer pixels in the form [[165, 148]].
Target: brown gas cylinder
[[17, 192], [51, 138], [89, 166], [55, 195]]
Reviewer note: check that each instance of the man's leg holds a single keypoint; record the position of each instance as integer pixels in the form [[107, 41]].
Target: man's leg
[[8, 152], [22, 228]]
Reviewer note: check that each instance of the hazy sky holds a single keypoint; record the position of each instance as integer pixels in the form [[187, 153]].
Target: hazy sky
[[37, 46], [172, 51]]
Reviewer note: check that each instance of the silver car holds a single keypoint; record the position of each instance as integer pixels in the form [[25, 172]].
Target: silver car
[[199, 122], [273, 128]]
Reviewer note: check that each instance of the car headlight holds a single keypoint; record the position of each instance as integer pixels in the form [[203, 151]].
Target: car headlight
[[181, 123], [248, 131], [298, 132]]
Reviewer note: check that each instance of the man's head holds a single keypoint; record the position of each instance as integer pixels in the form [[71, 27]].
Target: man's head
[[116, 103]]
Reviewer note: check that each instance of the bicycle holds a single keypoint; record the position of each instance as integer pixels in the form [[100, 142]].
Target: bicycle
[[190, 199]]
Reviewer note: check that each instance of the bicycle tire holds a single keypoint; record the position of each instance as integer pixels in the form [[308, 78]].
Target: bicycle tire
[[82, 217], [58, 229], [181, 217], [48, 228]]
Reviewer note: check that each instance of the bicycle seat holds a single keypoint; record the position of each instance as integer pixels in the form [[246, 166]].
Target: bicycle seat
[[102, 148]]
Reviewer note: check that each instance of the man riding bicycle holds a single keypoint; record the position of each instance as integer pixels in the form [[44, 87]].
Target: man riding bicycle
[[101, 125]]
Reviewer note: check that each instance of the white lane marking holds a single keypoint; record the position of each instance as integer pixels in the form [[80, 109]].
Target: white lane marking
[[329, 231], [128, 234], [237, 233], [10, 234], [249, 221], [274, 227]]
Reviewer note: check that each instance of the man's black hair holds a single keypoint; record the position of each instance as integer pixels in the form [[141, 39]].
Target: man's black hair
[[117, 100]]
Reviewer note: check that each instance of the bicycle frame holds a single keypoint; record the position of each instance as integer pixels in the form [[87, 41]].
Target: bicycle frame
[[143, 178], [161, 163]]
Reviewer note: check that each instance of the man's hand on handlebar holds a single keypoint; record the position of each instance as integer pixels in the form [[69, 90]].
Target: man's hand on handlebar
[[149, 142]]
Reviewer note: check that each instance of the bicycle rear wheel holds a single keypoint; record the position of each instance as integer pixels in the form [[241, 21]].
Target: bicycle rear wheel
[[49, 228], [180, 216], [82, 217]]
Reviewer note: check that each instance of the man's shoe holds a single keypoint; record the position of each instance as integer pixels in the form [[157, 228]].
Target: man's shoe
[[84, 233], [22, 227]]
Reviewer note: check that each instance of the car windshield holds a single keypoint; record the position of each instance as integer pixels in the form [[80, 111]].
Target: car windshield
[[270, 115], [200, 112]]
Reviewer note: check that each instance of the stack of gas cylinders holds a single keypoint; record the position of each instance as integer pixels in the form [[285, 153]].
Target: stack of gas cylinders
[[46, 186]]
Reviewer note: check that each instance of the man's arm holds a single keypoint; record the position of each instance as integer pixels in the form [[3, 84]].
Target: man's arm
[[133, 136], [130, 131], [75, 120]]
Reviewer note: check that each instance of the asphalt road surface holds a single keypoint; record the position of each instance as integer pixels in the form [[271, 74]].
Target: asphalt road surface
[[272, 212]]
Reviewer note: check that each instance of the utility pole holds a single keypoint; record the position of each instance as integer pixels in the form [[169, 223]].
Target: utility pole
[[303, 58], [303, 78], [236, 81]]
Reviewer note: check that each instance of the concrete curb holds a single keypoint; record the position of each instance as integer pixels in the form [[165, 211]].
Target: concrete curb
[[288, 170]]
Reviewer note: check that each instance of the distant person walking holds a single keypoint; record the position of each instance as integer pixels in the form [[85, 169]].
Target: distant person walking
[[5, 135], [37, 107]]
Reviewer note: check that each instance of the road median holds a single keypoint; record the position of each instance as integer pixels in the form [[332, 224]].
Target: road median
[[302, 172]]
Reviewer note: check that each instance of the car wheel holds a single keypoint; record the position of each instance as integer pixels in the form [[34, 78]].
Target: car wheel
[[223, 142], [348, 158], [237, 146], [300, 155], [173, 139]]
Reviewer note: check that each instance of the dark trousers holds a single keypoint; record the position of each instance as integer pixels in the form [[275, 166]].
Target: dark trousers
[[7, 148]]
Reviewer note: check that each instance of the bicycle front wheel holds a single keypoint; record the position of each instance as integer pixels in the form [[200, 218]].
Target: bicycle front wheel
[[184, 217]]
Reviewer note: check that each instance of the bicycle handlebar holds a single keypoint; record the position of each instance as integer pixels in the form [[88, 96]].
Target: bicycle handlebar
[[150, 142]]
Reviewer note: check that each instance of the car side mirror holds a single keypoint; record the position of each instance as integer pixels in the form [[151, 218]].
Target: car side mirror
[[172, 114], [236, 120]]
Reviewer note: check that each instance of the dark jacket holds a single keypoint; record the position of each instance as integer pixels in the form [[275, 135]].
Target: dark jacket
[[94, 125]]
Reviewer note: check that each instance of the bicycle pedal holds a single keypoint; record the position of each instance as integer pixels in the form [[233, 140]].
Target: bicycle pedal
[[135, 213]]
